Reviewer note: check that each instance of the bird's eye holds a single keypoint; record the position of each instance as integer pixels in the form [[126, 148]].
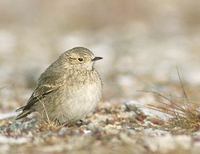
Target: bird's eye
[[80, 59]]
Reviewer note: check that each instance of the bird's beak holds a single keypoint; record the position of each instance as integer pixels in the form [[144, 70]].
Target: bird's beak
[[97, 58]]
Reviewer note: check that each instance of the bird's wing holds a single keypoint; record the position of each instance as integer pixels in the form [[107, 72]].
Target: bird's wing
[[48, 83]]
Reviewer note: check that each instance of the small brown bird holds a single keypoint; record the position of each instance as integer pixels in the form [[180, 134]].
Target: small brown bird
[[68, 89]]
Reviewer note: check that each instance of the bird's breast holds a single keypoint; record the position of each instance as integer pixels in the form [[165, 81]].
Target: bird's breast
[[81, 99]]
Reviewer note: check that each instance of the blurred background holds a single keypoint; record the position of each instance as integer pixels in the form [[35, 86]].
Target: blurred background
[[142, 42]]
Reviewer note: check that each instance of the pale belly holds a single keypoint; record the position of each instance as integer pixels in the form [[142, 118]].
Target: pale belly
[[79, 103]]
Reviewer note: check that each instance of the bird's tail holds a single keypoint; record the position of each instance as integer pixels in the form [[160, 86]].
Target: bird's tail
[[20, 109], [23, 114]]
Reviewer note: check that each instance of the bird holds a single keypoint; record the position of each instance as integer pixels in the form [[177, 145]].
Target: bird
[[68, 90]]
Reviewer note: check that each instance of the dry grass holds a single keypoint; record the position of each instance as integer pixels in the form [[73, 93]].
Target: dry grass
[[184, 113], [49, 126], [185, 116]]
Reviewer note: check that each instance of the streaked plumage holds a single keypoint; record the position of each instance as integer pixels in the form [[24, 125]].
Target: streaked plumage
[[68, 90]]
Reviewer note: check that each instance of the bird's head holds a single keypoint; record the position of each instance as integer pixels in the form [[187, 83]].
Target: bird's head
[[80, 58]]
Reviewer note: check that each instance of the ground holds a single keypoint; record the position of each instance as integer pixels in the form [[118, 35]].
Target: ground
[[115, 127]]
